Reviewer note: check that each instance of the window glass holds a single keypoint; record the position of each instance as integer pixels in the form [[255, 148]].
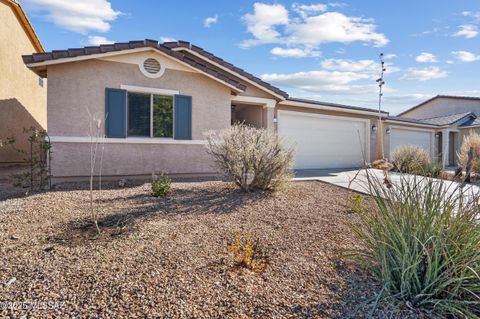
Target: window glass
[[162, 116], [138, 114]]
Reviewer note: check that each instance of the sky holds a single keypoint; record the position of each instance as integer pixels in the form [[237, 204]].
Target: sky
[[326, 51]]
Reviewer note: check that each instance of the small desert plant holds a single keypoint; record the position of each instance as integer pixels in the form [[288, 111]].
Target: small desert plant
[[422, 243], [471, 141], [356, 202], [247, 252], [411, 159], [253, 158], [160, 185]]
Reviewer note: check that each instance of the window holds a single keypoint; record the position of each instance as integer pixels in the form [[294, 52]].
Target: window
[[150, 115]]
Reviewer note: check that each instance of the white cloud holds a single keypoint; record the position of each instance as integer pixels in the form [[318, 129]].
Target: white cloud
[[370, 67], [336, 76], [475, 15], [294, 52], [467, 31], [426, 57], [389, 56], [98, 40], [465, 56], [317, 81], [271, 24], [304, 10], [78, 16], [425, 74], [167, 39], [208, 22], [262, 23]]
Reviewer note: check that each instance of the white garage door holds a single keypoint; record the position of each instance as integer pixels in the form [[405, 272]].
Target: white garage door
[[421, 138], [323, 141]]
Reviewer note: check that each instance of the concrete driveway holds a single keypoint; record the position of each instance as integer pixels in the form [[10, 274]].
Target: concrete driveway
[[356, 179]]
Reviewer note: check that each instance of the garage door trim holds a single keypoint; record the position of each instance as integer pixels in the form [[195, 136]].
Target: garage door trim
[[364, 121]]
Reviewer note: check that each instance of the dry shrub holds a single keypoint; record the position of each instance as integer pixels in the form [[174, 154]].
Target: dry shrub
[[411, 159], [253, 158], [248, 253], [470, 141]]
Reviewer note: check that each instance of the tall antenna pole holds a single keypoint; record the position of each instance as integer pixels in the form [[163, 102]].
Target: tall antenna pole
[[381, 83]]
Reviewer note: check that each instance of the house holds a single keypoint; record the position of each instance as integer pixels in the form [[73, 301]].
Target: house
[[438, 125], [159, 99], [23, 94]]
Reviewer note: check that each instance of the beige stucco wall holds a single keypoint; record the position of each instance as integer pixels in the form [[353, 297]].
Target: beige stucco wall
[[75, 86], [22, 99], [73, 159], [442, 107]]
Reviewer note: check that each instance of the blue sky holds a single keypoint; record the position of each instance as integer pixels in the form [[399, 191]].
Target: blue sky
[[322, 50]]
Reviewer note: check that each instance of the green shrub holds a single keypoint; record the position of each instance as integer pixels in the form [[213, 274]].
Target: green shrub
[[251, 157], [160, 186], [411, 159], [470, 141], [422, 243]]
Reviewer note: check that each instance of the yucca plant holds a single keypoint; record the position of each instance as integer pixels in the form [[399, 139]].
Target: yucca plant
[[422, 243]]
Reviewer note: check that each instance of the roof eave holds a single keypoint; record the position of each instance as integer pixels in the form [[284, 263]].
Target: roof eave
[[327, 107]]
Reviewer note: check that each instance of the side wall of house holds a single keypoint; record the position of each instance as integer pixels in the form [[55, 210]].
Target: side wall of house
[[73, 87], [22, 99], [442, 107]]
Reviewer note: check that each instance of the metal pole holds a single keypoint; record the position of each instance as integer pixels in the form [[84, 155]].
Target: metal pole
[[380, 82]]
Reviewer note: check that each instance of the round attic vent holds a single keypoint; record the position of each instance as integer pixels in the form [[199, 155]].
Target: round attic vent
[[152, 66]]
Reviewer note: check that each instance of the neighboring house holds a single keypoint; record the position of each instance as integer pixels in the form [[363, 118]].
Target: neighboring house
[[23, 94], [438, 125], [159, 100]]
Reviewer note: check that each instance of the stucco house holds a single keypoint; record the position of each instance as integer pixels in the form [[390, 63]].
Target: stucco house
[[159, 99], [23, 94], [439, 125]]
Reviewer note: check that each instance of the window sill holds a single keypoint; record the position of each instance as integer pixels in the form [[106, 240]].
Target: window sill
[[128, 140]]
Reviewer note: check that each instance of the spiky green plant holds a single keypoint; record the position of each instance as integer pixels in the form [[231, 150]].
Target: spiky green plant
[[422, 242]]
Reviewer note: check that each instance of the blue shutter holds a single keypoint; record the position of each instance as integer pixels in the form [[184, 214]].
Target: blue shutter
[[183, 117], [115, 112]]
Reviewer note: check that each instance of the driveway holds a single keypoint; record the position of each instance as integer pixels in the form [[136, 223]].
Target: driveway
[[356, 179]]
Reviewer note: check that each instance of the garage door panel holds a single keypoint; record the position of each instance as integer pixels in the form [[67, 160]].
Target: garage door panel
[[324, 141], [400, 137]]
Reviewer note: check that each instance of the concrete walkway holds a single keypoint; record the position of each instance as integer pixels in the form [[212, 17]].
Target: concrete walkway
[[357, 179]]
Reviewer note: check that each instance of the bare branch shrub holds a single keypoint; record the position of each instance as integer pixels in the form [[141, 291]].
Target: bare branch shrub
[[97, 140], [470, 141], [253, 158], [411, 159]]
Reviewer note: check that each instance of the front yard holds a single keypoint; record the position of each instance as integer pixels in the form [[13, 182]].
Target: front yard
[[169, 258]]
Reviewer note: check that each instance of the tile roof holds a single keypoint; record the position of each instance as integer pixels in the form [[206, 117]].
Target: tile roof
[[409, 120], [179, 45], [343, 106], [448, 119], [472, 119], [166, 48]]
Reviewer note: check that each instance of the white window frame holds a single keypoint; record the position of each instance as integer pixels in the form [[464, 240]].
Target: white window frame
[[150, 91]]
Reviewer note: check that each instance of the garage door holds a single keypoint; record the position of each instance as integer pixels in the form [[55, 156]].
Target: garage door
[[325, 141], [421, 138]]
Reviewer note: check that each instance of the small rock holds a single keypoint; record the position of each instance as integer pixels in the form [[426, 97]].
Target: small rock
[[13, 237], [122, 182], [48, 248], [11, 281]]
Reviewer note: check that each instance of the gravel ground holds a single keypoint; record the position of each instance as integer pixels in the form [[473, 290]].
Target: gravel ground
[[168, 258]]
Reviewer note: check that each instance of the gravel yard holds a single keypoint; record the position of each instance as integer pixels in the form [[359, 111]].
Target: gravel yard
[[168, 258]]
